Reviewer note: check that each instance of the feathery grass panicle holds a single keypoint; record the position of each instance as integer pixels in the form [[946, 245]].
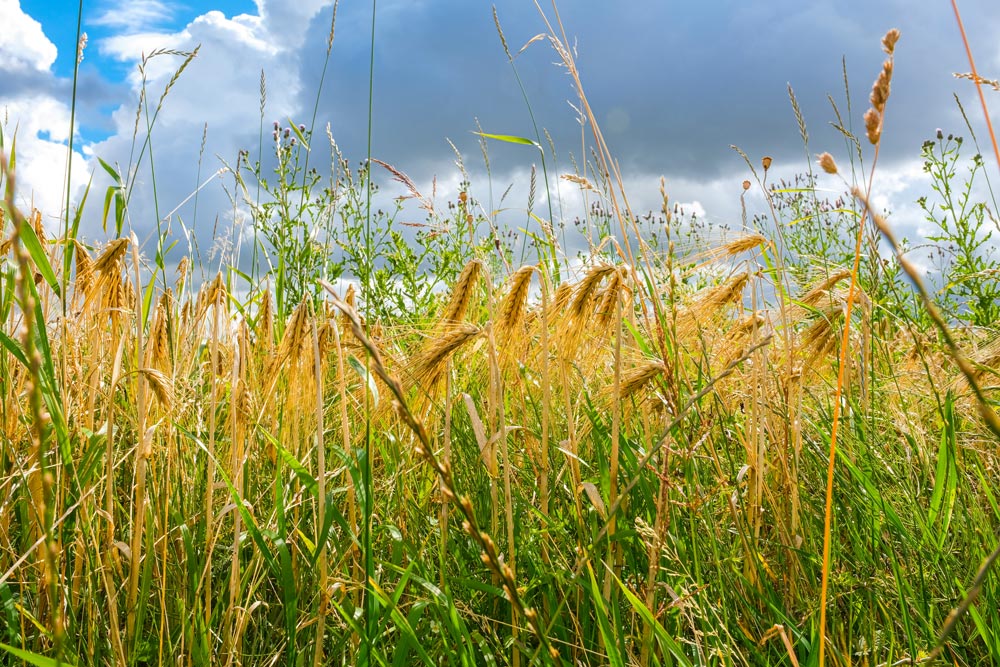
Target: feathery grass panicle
[[582, 181], [889, 41], [880, 90], [411, 187], [827, 163]]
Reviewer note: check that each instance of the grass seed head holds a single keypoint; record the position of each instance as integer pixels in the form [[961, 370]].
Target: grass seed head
[[461, 295], [827, 163]]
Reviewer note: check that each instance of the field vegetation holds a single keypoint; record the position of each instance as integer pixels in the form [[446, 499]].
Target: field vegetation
[[761, 446]]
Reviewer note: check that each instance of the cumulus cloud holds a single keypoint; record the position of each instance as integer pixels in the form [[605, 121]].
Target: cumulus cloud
[[31, 112], [210, 111], [673, 89], [24, 46]]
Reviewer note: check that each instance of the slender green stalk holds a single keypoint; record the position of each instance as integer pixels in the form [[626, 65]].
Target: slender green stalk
[[370, 600]]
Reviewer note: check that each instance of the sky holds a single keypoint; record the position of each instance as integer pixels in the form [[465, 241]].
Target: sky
[[673, 84]]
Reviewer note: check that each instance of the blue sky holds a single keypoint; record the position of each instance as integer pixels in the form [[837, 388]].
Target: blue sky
[[674, 85]]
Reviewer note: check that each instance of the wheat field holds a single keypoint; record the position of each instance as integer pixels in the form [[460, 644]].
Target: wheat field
[[662, 455]]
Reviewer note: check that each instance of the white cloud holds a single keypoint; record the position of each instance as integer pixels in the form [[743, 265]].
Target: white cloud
[[39, 121], [24, 46], [132, 16], [212, 109]]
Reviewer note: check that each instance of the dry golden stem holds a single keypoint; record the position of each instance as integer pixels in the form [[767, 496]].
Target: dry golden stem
[[143, 450], [321, 499]]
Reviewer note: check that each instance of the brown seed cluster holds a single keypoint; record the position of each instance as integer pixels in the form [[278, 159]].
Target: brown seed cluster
[[880, 90]]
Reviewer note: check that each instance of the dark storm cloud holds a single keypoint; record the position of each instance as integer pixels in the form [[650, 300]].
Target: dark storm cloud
[[673, 85]]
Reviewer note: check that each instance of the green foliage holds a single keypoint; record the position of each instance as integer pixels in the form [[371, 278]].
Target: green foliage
[[964, 250], [293, 216]]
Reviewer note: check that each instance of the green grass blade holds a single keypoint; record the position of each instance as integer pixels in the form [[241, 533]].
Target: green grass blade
[[34, 658], [510, 139], [39, 257]]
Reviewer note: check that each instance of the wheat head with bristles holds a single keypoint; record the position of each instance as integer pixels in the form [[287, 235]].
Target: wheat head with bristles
[[734, 248], [819, 339], [709, 302], [609, 298], [461, 294], [111, 289], [426, 367], [574, 322], [512, 315], [84, 279], [265, 324], [158, 348], [821, 288]]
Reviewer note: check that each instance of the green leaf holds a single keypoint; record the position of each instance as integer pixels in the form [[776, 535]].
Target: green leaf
[[510, 139], [603, 622], [111, 171], [659, 632], [14, 348], [300, 470], [69, 249], [360, 369], [405, 629], [38, 256], [942, 503], [298, 133], [13, 150], [34, 658]]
